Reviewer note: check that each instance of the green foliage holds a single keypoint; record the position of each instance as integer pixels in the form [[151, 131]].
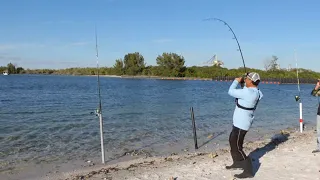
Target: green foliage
[[11, 68], [170, 65], [119, 67], [3, 68], [19, 70], [133, 64]]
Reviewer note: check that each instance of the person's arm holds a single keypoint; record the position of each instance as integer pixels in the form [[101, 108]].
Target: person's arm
[[315, 90], [234, 92], [261, 95]]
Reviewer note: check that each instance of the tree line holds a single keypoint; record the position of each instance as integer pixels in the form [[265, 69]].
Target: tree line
[[169, 65], [12, 69]]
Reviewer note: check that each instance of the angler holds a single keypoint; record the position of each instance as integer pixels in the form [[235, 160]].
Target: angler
[[316, 92], [247, 99]]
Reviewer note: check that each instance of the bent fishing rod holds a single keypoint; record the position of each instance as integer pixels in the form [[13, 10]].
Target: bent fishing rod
[[234, 37]]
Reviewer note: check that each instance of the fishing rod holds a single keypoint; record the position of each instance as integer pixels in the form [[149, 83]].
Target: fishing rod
[[298, 98], [239, 48], [99, 110]]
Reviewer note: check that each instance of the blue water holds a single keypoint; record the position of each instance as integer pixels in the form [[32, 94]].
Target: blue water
[[47, 118]]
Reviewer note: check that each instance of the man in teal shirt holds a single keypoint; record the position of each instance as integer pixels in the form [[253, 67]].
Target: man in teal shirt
[[247, 100]]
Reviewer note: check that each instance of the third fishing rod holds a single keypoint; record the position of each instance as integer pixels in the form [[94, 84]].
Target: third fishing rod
[[99, 110], [298, 98]]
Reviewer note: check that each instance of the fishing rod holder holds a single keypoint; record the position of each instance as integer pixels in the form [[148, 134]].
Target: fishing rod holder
[[194, 129]]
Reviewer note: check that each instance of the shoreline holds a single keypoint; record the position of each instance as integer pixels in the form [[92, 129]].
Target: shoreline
[[217, 79], [125, 167], [196, 165]]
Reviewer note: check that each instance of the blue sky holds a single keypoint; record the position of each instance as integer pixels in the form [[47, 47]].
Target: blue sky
[[60, 33]]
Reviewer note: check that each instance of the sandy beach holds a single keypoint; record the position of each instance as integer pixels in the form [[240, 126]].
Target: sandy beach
[[286, 155]]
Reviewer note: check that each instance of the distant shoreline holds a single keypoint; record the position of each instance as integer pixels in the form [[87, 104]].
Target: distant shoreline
[[221, 79], [279, 81], [100, 75]]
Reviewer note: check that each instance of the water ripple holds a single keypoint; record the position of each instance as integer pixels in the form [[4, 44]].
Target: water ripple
[[47, 119]]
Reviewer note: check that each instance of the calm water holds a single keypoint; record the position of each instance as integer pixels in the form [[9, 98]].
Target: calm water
[[47, 118]]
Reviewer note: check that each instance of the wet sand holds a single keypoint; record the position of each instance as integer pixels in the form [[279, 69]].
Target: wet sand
[[286, 155]]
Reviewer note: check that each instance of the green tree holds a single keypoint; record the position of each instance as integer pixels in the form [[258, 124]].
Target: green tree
[[119, 67], [133, 63], [11, 68], [172, 64], [3, 68], [20, 70]]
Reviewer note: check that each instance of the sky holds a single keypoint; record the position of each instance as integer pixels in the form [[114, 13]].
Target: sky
[[61, 33]]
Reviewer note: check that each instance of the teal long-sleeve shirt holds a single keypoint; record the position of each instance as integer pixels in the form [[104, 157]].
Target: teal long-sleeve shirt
[[247, 97]]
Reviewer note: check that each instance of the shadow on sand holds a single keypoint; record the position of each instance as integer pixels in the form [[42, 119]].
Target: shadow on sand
[[260, 152], [212, 138]]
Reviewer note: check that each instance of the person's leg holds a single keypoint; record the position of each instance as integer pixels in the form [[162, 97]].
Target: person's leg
[[236, 145], [247, 169], [244, 161], [318, 135], [235, 163]]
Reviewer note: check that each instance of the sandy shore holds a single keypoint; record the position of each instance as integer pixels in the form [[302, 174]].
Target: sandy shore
[[286, 156]]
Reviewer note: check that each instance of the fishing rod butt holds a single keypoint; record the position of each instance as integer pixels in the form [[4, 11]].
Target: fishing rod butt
[[301, 119], [101, 138]]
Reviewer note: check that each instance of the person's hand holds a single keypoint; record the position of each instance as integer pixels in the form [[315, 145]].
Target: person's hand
[[238, 79], [318, 85]]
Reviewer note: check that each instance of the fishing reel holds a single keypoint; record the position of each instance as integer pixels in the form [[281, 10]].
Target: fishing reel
[[242, 83], [96, 112]]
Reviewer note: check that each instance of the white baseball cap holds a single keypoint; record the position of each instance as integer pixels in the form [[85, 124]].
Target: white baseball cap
[[253, 76]]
